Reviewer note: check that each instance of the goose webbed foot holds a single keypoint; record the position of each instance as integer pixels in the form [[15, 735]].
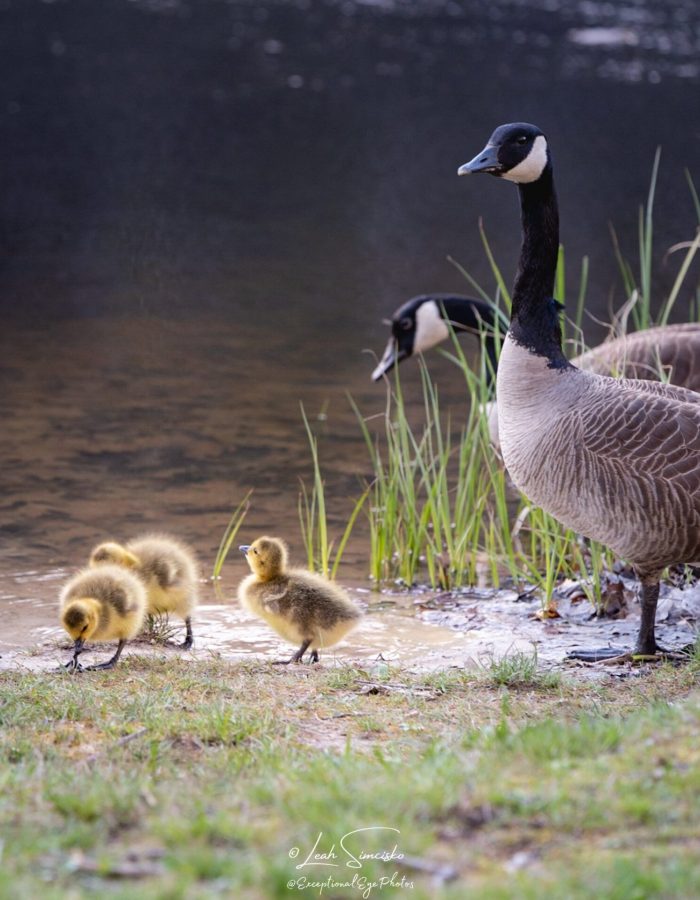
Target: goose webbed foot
[[646, 649], [639, 654], [189, 639], [598, 655]]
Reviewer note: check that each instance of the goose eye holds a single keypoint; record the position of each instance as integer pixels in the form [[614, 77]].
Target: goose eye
[[406, 324], [521, 140]]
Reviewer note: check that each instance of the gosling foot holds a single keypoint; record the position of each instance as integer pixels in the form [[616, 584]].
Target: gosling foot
[[72, 666], [111, 663], [298, 656]]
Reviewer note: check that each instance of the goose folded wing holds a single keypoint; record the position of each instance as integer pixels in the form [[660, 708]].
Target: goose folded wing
[[644, 430]]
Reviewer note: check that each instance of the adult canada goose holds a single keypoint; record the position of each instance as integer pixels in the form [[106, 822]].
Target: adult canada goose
[[616, 460], [303, 608], [168, 569], [420, 324], [105, 604]]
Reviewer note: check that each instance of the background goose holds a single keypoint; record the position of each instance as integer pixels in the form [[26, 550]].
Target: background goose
[[617, 460], [419, 324]]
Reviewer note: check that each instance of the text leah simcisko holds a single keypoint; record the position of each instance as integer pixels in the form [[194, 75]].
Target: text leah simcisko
[[351, 858]]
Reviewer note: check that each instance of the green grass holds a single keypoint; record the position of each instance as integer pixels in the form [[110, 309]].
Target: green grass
[[179, 779], [518, 670]]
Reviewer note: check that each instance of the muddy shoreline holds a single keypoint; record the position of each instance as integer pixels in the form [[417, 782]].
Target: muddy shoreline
[[421, 631]]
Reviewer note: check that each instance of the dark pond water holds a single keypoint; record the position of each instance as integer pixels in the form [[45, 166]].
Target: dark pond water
[[208, 207]]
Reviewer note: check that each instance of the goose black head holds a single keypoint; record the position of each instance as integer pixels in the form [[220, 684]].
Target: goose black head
[[416, 326], [517, 152]]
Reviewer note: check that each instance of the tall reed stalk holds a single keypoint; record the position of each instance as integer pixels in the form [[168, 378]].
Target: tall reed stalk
[[313, 519]]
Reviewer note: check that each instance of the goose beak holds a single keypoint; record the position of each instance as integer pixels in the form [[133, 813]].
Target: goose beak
[[392, 355], [486, 161], [244, 548]]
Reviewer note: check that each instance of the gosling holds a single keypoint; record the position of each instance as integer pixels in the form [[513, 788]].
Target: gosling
[[303, 608], [102, 604], [168, 569]]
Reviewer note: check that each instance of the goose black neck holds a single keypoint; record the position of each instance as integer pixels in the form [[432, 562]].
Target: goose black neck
[[534, 318], [481, 318]]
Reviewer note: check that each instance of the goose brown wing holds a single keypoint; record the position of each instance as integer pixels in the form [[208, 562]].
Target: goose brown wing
[[673, 349], [661, 389], [646, 429], [637, 474]]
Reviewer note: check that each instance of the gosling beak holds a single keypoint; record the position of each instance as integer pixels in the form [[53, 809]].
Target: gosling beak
[[486, 161], [244, 548], [78, 646], [389, 360]]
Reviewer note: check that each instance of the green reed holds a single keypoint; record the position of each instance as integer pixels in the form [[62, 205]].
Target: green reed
[[442, 510], [639, 289], [313, 518], [229, 535]]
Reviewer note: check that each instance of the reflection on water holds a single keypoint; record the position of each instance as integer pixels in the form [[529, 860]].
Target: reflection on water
[[207, 208]]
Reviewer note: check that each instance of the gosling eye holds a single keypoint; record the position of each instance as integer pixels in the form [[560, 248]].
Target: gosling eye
[[406, 324]]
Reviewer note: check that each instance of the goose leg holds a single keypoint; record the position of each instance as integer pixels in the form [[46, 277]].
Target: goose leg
[[297, 656], [646, 641], [189, 640], [111, 663]]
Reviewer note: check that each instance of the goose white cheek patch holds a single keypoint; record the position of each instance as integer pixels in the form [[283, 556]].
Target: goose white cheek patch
[[430, 327], [532, 166]]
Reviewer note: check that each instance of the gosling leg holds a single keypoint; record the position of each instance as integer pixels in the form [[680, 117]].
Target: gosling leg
[[111, 663], [297, 656], [189, 640], [73, 665], [314, 657]]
